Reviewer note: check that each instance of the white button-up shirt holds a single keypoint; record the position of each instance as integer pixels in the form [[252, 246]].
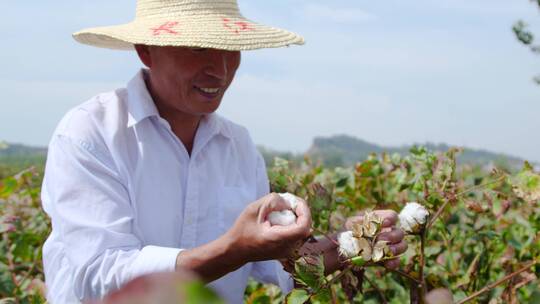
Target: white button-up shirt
[[125, 197]]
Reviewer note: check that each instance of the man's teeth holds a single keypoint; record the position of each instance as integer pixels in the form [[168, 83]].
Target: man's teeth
[[210, 90]]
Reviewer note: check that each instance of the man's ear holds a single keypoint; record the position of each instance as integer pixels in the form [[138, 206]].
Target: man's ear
[[144, 54]]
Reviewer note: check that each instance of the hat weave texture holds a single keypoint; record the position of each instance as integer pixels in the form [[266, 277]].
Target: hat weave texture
[[214, 24]]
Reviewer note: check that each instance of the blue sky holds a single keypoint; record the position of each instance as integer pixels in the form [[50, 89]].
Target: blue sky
[[391, 72]]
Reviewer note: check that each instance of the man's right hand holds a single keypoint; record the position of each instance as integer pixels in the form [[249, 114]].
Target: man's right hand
[[252, 238], [255, 239]]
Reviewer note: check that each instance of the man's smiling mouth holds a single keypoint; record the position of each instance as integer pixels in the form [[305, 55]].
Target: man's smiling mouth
[[208, 90]]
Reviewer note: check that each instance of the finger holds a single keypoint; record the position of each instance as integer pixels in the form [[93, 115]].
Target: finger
[[266, 224], [393, 263], [393, 236], [398, 248], [303, 214], [290, 233], [389, 217]]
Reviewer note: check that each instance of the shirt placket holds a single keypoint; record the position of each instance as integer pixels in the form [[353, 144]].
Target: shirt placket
[[191, 211], [188, 235]]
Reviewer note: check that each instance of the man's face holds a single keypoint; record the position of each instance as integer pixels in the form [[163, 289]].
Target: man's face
[[188, 80]]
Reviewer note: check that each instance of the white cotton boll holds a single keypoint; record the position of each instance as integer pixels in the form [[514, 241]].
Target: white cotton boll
[[349, 246], [282, 218], [413, 217], [291, 199]]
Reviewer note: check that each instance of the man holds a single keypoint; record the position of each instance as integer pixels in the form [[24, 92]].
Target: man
[[147, 179]]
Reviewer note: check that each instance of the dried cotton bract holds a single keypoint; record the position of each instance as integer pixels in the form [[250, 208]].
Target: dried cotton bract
[[379, 250], [369, 225], [365, 249], [413, 217]]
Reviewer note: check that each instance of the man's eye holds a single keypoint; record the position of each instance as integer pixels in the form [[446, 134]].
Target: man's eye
[[198, 50]]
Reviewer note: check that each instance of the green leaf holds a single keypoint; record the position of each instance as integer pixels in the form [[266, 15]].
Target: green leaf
[[526, 184], [535, 297], [310, 271], [358, 261], [432, 250], [297, 296], [7, 187], [488, 234], [342, 182], [7, 287], [322, 296], [261, 299], [466, 279]]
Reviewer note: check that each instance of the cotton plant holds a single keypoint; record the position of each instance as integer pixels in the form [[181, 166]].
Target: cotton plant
[[473, 254], [358, 248], [360, 244], [449, 242]]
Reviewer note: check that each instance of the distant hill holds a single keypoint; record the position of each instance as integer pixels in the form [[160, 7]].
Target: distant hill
[[333, 151], [344, 150], [12, 150], [17, 157]]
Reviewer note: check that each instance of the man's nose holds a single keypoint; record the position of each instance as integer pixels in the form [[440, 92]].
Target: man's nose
[[218, 64]]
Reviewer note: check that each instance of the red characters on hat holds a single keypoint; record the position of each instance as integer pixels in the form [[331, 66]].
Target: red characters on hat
[[237, 26], [165, 28]]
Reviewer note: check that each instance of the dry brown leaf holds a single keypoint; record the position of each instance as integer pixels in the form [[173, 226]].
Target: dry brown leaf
[[379, 250], [365, 249]]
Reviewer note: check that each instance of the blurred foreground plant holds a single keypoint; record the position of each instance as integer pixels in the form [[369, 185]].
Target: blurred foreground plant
[[23, 229]]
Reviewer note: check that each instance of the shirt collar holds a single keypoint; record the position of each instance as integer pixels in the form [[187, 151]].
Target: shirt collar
[[141, 106], [213, 124], [140, 103]]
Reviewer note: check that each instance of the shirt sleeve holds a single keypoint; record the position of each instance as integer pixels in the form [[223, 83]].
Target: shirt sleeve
[[269, 271], [92, 218]]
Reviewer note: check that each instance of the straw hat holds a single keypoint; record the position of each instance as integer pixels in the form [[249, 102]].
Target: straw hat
[[214, 24]]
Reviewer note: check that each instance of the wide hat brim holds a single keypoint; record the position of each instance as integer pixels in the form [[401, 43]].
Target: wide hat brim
[[224, 31]]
